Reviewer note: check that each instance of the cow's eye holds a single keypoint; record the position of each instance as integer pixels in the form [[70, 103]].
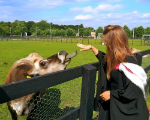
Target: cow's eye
[[43, 63]]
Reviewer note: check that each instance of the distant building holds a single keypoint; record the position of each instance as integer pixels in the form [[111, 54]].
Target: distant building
[[77, 34], [93, 34]]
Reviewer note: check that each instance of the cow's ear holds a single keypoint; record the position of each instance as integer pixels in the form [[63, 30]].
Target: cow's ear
[[25, 65], [18, 70]]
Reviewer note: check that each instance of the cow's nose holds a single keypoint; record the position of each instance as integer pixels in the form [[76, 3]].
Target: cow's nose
[[63, 52]]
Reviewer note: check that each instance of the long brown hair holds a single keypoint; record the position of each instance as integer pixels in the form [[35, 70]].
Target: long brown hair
[[117, 45]]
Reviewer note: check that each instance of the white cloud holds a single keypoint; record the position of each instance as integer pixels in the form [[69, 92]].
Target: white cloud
[[83, 17], [131, 19], [84, 9], [135, 12], [136, 15], [146, 15], [102, 7], [108, 7]]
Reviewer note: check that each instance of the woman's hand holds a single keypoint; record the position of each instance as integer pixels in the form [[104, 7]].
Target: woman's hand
[[84, 47], [105, 95]]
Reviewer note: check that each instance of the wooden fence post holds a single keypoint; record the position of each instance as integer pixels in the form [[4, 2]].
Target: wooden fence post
[[87, 92]]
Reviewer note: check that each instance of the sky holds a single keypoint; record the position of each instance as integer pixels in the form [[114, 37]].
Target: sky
[[90, 13]]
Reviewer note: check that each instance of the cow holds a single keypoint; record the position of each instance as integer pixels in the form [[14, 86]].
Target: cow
[[134, 50], [31, 66]]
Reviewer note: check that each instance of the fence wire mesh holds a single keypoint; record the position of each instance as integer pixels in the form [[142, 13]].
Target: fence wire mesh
[[57, 101]]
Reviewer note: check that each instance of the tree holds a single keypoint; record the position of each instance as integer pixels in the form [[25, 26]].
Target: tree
[[139, 31], [147, 30], [127, 30], [21, 28], [33, 29], [47, 32], [29, 25], [99, 30], [81, 26], [5, 28], [53, 32], [86, 32], [63, 32], [71, 32], [81, 33], [39, 32], [42, 25], [13, 26], [2, 32], [57, 32]]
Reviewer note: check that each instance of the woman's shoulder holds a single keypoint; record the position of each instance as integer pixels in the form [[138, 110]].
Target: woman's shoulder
[[130, 59]]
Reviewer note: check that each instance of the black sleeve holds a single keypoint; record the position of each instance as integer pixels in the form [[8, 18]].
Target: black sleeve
[[100, 55], [102, 85]]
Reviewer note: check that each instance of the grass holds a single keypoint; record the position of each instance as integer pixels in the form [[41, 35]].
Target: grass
[[11, 51]]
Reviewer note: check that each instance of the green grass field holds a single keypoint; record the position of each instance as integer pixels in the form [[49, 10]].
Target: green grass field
[[68, 93]]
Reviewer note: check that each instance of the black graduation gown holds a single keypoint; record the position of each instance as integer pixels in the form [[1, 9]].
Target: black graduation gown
[[126, 99]]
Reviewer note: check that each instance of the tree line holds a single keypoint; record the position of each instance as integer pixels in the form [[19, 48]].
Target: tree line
[[43, 28]]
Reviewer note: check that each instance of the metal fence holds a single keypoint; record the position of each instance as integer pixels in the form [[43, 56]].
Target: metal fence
[[58, 103], [68, 39]]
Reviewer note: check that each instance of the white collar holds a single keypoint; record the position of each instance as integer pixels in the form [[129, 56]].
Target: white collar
[[138, 77]]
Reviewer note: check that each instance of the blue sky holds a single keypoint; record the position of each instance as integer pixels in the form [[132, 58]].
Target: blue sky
[[90, 13]]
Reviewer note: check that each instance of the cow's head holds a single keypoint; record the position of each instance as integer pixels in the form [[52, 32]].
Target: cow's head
[[34, 65], [54, 63]]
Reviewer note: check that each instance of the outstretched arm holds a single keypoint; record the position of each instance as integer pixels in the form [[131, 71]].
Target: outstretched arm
[[87, 47]]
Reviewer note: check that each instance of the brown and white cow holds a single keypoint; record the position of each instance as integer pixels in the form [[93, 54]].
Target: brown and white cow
[[33, 65], [134, 50]]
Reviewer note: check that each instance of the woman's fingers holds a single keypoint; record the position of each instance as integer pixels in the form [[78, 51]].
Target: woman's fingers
[[84, 47], [80, 45]]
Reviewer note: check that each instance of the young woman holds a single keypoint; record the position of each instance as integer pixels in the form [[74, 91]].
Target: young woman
[[120, 87]]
